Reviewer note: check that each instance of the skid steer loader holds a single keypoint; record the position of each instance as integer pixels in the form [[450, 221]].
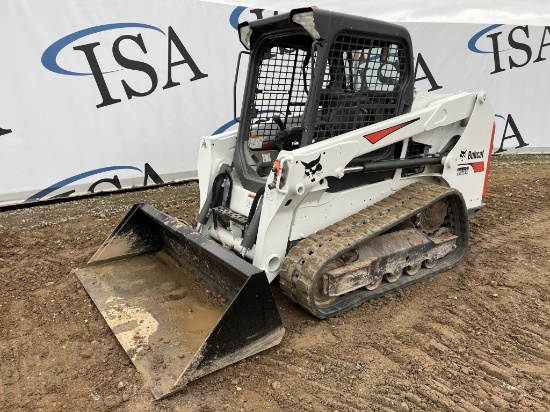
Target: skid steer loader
[[342, 180]]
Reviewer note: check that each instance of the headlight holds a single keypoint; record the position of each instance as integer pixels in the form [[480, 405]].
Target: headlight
[[306, 21], [244, 34]]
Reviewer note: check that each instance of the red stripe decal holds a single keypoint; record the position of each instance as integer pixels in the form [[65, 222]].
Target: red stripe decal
[[489, 161], [377, 136], [478, 166]]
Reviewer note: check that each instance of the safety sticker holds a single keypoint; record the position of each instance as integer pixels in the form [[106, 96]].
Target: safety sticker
[[269, 194], [255, 142], [266, 157], [249, 200]]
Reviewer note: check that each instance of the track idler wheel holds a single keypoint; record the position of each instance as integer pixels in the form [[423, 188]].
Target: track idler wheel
[[413, 269], [375, 283], [394, 277]]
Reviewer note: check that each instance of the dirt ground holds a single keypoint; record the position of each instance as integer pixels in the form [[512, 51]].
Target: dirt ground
[[474, 338]]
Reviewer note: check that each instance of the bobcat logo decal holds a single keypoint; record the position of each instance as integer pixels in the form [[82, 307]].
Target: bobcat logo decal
[[313, 168], [463, 154]]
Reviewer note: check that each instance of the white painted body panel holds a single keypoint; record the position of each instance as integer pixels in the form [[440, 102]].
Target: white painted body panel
[[302, 206]]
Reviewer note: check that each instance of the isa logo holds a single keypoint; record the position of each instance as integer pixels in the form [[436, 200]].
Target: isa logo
[[106, 180], [102, 50], [510, 132], [241, 14], [512, 47]]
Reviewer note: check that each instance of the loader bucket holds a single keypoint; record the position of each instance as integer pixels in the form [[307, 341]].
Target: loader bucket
[[180, 305]]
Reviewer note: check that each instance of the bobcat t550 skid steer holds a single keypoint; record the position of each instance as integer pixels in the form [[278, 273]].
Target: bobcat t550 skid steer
[[342, 180]]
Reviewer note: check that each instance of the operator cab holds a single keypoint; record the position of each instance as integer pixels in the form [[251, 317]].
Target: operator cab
[[314, 75]]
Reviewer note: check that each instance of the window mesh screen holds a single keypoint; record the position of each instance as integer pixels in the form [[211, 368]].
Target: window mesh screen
[[362, 84], [281, 89]]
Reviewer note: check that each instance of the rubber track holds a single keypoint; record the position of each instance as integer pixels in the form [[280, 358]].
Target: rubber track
[[305, 261]]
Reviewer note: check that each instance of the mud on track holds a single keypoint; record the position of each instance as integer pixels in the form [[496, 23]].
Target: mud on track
[[474, 338]]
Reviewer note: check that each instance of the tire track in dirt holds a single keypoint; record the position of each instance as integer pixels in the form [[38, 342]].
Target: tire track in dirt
[[503, 375], [499, 379], [326, 378]]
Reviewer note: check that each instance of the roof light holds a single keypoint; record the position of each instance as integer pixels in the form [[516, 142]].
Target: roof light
[[245, 32], [306, 21]]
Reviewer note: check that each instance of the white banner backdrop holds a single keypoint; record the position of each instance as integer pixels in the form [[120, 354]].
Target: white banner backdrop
[[511, 63], [108, 94], [102, 94]]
